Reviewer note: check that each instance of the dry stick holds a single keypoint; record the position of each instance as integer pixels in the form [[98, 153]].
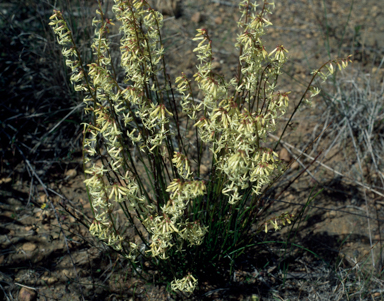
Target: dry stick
[[327, 167], [30, 192], [365, 192], [225, 3], [299, 175], [369, 145], [22, 285], [61, 121], [73, 207], [5, 294], [58, 221], [65, 117], [302, 165], [370, 149], [323, 132], [334, 141]]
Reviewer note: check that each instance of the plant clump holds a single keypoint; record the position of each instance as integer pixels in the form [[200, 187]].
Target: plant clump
[[148, 172]]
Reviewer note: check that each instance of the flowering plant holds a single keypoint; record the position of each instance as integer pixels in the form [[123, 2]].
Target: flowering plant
[[149, 175]]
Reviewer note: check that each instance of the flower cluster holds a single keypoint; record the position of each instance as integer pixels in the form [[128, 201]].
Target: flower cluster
[[163, 227], [72, 57], [186, 284], [278, 221], [235, 125]]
